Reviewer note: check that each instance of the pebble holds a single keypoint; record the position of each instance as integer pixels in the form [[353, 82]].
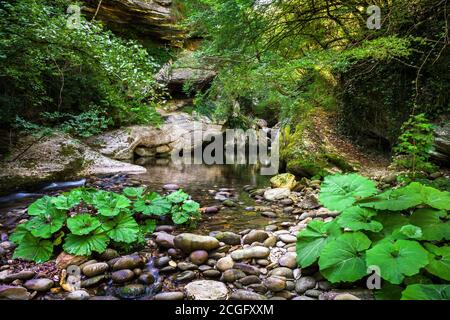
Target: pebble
[[305, 283], [283, 272], [255, 236], [275, 284], [288, 238], [183, 266], [288, 260], [232, 275], [95, 269], [185, 276], [122, 276], [161, 262], [147, 278], [189, 242], [90, 282], [14, 293], [206, 290], [165, 240], [229, 238], [248, 280], [225, 263], [249, 253], [313, 293], [109, 254], [78, 295], [128, 262], [176, 295], [246, 295], [171, 187], [41, 285], [269, 214], [131, 291], [212, 273], [198, 257]]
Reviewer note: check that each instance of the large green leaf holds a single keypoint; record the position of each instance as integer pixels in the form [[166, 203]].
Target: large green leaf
[[190, 206], [396, 200], [180, 216], [343, 259], [134, 192], [357, 218], [153, 204], [426, 292], [311, 240], [392, 223], [110, 204], [43, 205], [82, 224], [397, 259], [18, 234], [177, 196], [34, 249], [68, 201], [148, 227], [434, 223], [125, 229], [440, 261], [46, 224], [339, 192], [389, 291], [436, 199], [85, 245]]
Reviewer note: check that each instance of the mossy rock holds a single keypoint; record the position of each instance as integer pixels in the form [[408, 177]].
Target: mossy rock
[[285, 180]]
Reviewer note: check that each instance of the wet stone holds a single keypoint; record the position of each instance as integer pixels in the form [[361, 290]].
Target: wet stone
[[183, 266], [185, 276], [232, 275], [131, 291], [95, 269], [41, 285], [122, 276]]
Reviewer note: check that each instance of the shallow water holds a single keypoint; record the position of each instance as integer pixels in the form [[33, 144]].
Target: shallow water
[[203, 181]]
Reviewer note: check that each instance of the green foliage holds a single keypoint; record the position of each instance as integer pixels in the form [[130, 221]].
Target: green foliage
[[88, 220], [412, 151], [426, 292], [78, 80], [401, 231]]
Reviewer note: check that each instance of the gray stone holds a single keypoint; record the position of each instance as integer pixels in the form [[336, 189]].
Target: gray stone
[[275, 284], [228, 237], [78, 295], [189, 242], [288, 238], [95, 269], [225, 263], [128, 262], [288, 260], [305, 283], [206, 290], [247, 268], [283, 272], [22, 275], [246, 295], [175, 295], [248, 280], [187, 275], [276, 194], [249, 253], [198, 256], [122, 276], [183, 266], [232, 275], [14, 293], [41, 285], [165, 240], [255, 236]]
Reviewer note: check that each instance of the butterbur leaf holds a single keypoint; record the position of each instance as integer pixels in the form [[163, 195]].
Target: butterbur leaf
[[389, 292], [311, 240], [153, 204], [67, 202], [411, 232], [34, 249], [396, 200], [149, 226], [180, 217], [190, 206], [134, 192], [44, 225], [18, 234], [440, 261], [177, 196], [42, 206], [343, 259], [434, 224], [436, 199], [82, 224], [397, 259], [339, 192], [392, 223], [356, 218], [426, 292], [85, 245], [125, 230], [110, 204]]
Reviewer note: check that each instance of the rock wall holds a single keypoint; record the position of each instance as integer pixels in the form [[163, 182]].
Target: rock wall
[[147, 18]]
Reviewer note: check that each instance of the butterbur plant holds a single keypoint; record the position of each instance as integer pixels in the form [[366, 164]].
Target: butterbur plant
[[403, 231], [84, 221]]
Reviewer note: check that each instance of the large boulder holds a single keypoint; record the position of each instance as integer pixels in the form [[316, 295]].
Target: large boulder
[[156, 19], [176, 133], [441, 152], [55, 158]]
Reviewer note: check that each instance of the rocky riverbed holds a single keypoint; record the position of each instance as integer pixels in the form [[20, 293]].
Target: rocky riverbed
[[178, 263]]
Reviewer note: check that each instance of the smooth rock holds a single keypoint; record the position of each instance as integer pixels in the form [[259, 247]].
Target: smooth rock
[[122, 276], [288, 260], [304, 283], [109, 254], [248, 280], [189, 242], [21, 275], [185, 276], [206, 290], [41, 285], [246, 295], [249, 253], [175, 295], [14, 293], [78, 295], [232, 275], [64, 260], [255, 236], [276, 194], [90, 282], [198, 257], [212, 273], [275, 284], [165, 240], [128, 262], [346, 296], [282, 271], [147, 278], [225, 263], [183, 266], [228, 237], [288, 238], [95, 269], [247, 268], [171, 186], [131, 291]]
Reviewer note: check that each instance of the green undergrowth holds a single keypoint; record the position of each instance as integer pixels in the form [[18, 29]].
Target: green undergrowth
[[403, 233], [84, 221]]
